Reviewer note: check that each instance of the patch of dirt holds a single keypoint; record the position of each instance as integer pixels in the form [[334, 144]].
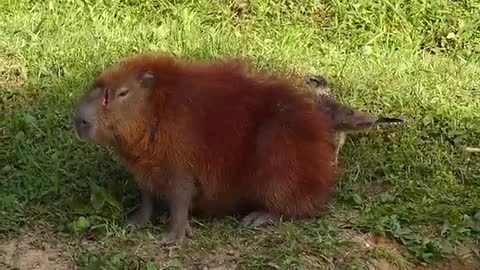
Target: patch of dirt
[[386, 253], [375, 188], [370, 241], [451, 265], [317, 261], [381, 264], [12, 74], [149, 248], [219, 259], [240, 7], [465, 259], [13, 78], [28, 253]]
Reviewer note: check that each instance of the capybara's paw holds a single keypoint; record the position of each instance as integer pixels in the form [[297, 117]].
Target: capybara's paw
[[177, 235], [188, 230], [171, 237], [259, 218]]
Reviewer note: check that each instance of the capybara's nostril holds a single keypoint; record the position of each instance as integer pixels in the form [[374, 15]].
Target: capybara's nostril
[[81, 124]]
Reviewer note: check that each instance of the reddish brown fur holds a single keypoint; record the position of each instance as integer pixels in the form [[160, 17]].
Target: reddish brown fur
[[248, 141]]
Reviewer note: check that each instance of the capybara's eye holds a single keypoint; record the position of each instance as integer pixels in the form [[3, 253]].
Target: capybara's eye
[[123, 93]]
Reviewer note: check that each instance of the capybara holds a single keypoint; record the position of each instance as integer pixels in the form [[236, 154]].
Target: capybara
[[211, 138]]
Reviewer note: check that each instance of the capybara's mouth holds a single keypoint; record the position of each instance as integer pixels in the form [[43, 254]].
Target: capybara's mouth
[[81, 136], [76, 134]]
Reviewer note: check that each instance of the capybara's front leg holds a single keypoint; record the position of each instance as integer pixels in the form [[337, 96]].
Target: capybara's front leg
[[179, 201], [143, 215]]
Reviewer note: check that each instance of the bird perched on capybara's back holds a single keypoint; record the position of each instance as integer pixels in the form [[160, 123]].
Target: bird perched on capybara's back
[[209, 137], [345, 119]]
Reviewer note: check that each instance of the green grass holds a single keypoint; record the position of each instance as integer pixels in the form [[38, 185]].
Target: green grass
[[412, 184]]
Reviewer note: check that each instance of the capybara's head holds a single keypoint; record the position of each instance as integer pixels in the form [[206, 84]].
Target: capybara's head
[[115, 106]]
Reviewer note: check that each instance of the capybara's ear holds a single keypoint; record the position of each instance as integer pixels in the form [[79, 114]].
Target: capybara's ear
[[147, 79]]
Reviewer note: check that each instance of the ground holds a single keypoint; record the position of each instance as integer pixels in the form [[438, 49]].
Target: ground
[[408, 196]]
